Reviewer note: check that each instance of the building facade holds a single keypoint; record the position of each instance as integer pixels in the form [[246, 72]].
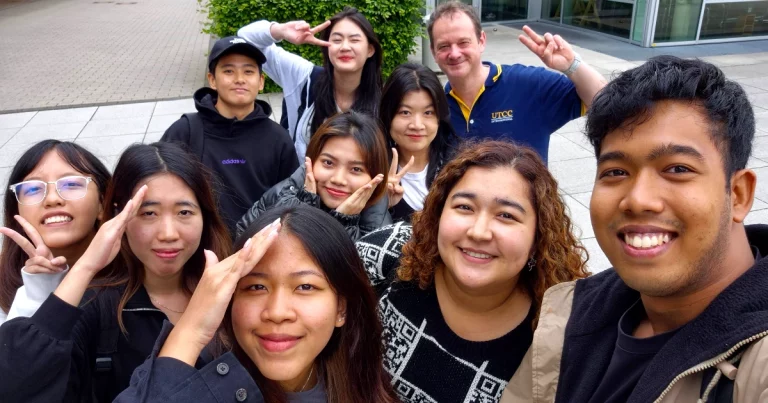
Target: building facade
[[646, 23]]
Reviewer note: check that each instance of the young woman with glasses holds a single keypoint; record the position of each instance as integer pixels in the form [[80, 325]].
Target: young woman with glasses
[[54, 196]]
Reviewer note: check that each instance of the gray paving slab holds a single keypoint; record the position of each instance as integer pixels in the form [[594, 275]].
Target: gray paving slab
[[760, 148], [75, 115], [759, 205], [11, 120], [580, 218], [81, 52], [562, 149], [137, 110], [761, 190], [755, 162], [583, 198], [109, 146], [152, 137], [757, 217], [162, 122], [177, 107], [574, 176], [116, 127], [10, 153], [6, 134], [34, 134]]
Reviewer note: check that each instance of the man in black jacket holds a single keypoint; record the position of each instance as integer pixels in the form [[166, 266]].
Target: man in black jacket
[[683, 315], [232, 132]]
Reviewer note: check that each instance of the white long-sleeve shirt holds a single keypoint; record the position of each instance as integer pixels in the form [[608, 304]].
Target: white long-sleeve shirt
[[35, 289]]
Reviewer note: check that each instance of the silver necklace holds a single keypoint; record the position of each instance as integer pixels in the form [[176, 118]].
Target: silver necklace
[[163, 306], [307, 381]]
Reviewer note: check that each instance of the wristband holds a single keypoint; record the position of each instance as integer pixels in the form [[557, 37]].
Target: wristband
[[575, 65]]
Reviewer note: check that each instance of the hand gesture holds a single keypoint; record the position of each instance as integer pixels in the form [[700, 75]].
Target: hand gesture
[[394, 190], [299, 33], [310, 185], [553, 51], [355, 203], [41, 259], [106, 243], [206, 308]]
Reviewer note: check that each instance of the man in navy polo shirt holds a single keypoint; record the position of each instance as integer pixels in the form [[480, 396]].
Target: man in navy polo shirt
[[522, 103]]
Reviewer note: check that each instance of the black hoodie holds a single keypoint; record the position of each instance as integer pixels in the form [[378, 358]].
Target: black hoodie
[[737, 313], [249, 156]]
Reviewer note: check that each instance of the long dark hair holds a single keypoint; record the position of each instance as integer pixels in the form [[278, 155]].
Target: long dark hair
[[368, 93], [409, 77], [139, 162], [351, 363], [12, 258], [366, 133]]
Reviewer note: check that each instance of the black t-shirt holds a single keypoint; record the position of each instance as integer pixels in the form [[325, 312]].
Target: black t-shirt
[[631, 357]]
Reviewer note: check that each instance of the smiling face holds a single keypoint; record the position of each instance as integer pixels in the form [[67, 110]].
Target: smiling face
[[62, 223], [415, 124], [168, 226], [284, 313], [237, 81], [349, 48], [660, 207], [456, 47], [339, 171], [486, 232]]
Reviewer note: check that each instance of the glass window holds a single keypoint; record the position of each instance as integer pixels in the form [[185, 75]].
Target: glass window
[[502, 10], [678, 20], [734, 20], [608, 16], [550, 10]]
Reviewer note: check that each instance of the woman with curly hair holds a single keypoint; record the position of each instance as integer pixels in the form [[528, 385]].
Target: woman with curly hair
[[465, 296]]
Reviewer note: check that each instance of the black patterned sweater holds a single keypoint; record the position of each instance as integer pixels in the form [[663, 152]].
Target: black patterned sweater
[[428, 362]]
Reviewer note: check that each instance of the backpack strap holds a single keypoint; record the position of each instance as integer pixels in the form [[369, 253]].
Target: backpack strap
[[196, 136], [103, 375], [308, 94]]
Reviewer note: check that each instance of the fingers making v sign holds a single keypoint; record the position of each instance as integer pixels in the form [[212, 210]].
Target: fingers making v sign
[[394, 190], [300, 33], [553, 50], [355, 203], [41, 259]]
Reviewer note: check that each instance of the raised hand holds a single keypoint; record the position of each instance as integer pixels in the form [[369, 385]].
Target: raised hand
[[41, 259], [394, 190], [299, 33], [310, 185], [211, 298], [355, 203], [553, 50], [106, 243]]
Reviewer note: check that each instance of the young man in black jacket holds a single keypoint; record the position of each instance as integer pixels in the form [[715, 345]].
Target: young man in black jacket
[[683, 315], [232, 132]]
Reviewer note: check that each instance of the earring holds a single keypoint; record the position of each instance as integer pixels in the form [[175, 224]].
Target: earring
[[531, 263]]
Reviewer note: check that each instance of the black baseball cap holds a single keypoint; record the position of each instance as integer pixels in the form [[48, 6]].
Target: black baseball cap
[[234, 44]]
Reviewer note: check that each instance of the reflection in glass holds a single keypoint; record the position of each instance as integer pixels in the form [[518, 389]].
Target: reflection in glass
[[678, 20], [550, 10], [733, 20], [501, 10], [608, 16]]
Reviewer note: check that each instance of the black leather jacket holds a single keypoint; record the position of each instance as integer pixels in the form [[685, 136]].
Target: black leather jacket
[[290, 192]]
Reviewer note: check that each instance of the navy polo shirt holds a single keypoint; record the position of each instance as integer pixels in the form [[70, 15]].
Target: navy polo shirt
[[520, 103]]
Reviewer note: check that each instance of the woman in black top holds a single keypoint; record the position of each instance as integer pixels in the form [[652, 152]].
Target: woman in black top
[[82, 346], [298, 312], [414, 115], [492, 237]]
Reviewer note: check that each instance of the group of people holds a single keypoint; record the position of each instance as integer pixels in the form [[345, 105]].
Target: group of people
[[395, 241]]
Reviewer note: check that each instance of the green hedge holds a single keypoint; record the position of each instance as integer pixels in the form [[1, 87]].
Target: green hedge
[[396, 22]]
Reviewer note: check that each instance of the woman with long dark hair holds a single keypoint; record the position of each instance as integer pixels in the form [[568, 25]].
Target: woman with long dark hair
[[345, 165], [350, 78], [59, 221], [82, 345], [492, 237], [298, 316], [415, 117]]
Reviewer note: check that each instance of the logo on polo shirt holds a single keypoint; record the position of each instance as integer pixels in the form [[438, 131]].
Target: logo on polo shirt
[[502, 116]]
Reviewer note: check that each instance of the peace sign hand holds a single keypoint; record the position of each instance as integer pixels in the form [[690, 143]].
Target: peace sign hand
[[394, 190], [299, 33], [553, 50], [310, 185], [41, 259], [355, 203], [106, 243]]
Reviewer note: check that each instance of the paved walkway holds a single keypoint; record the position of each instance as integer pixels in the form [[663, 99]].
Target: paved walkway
[[56, 53], [107, 130]]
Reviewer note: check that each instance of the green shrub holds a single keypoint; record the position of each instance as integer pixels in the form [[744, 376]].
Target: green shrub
[[396, 22]]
